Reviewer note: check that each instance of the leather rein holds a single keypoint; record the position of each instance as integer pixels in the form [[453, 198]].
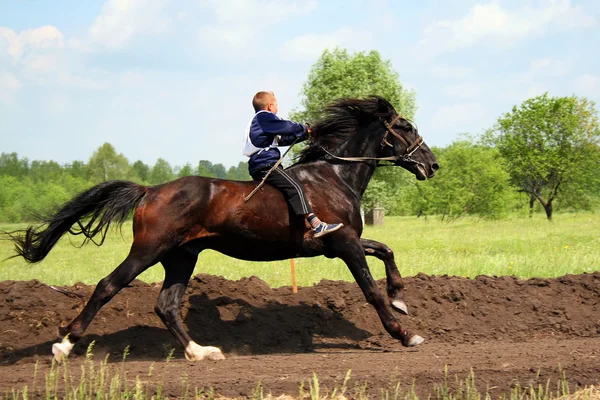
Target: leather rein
[[406, 157]]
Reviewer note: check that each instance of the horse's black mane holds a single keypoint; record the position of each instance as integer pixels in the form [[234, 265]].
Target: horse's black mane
[[339, 120]]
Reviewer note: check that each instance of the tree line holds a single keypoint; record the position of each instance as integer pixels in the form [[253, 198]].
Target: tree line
[[30, 189], [543, 154]]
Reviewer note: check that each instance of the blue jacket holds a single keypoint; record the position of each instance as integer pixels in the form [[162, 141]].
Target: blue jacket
[[265, 132]]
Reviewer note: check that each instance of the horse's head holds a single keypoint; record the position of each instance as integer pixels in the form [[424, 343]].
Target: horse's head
[[402, 144], [370, 130]]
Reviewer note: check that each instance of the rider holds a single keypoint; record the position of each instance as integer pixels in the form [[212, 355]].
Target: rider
[[265, 132]]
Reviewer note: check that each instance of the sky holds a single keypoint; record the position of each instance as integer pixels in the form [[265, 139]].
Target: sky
[[174, 79]]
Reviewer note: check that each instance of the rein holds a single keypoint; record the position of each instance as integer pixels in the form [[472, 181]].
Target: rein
[[406, 157]]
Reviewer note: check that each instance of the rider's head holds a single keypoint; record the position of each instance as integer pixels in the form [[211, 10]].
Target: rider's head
[[265, 101]]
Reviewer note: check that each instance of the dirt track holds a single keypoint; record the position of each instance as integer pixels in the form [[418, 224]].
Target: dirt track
[[507, 330]]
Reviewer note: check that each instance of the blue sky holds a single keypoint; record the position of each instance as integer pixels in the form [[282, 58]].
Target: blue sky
[[175, 78]]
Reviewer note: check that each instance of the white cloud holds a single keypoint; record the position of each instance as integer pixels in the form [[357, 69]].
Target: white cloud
[[540, 78], [310, 46], [9, 86], [258, 12], [241, 23], [131, 79], [36, 62], [121, 20], [15, 45], [493, 24]]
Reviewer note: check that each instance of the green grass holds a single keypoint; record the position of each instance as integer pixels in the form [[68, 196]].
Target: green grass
[[467, 247], [101, 380]]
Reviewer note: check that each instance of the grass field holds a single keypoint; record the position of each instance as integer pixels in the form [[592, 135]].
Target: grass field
[[467, 247]]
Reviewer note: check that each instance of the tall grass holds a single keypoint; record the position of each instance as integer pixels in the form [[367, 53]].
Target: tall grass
[[102, 380], [467, 247]]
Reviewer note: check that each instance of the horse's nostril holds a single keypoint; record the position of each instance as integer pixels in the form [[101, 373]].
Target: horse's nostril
[[435, 166]]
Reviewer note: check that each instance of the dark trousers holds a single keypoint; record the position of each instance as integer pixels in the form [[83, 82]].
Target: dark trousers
[[291, 189]]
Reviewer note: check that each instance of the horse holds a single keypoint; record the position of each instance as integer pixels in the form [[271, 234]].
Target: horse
[[175, 221]]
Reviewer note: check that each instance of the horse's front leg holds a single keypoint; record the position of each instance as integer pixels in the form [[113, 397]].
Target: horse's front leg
[[395, 285], [352, 252]]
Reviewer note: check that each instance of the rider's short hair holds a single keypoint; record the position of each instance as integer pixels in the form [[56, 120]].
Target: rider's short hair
[[261, 100]]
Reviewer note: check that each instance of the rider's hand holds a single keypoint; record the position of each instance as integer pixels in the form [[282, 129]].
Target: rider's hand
[[309, 131]]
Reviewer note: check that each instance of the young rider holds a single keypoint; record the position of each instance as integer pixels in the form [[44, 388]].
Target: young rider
[[265, 132]]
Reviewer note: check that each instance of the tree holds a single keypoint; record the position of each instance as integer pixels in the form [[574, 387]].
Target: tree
[[545, 142], [186, 170], [205, 168], [45, 171], [474, 181], [161, 172], [11, 165], [105, 164], [239, 173], [76, 169], [338, 74], [142, 170], [219, 171]]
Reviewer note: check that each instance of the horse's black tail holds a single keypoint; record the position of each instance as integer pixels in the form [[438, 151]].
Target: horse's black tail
[[92, 211]]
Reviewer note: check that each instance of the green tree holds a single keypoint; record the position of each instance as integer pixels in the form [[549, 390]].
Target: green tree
[[219, 171], [546, 141], [338, 74], [186, 170], [141, 170], [474, 181], [205, 168], [11, 165], [161, 172], [76, 169], [238, 173], [45, 171], [105, 164]]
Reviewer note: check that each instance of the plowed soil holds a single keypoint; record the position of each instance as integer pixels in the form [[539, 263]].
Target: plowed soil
[[506, 330]]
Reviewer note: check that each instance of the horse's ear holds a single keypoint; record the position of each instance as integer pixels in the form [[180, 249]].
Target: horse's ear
[[383, 107]]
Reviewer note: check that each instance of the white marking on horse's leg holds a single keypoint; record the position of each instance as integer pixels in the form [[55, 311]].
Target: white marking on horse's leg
[[61, 350], [195, 352], [415, 340], [400, 306]]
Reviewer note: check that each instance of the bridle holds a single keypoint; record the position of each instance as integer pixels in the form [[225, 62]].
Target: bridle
[[410, 148], [406, 157]]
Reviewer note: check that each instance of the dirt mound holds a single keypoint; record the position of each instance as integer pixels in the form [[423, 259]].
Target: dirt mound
[[247, 317]]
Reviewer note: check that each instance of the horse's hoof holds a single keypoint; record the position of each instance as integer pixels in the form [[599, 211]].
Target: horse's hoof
[[215, 355], [415, 340], [195, 352], [400, 306], [61, 350]]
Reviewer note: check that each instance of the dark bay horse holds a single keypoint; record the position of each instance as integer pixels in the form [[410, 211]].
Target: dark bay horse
[[175, 221]]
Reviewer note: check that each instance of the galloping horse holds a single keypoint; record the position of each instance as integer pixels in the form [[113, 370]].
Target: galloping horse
[[175, 221]]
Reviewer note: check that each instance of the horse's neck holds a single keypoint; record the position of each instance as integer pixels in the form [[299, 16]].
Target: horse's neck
[[355, 175]]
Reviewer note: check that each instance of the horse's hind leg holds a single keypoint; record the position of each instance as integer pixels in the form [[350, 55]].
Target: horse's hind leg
[[138, 260], [179, 264], [352, 253], [395, 285]]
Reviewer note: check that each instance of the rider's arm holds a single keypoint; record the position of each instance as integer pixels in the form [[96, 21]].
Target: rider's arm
[[288, 131]]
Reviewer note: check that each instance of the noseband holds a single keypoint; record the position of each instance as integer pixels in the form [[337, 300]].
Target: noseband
[[406, 157]]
